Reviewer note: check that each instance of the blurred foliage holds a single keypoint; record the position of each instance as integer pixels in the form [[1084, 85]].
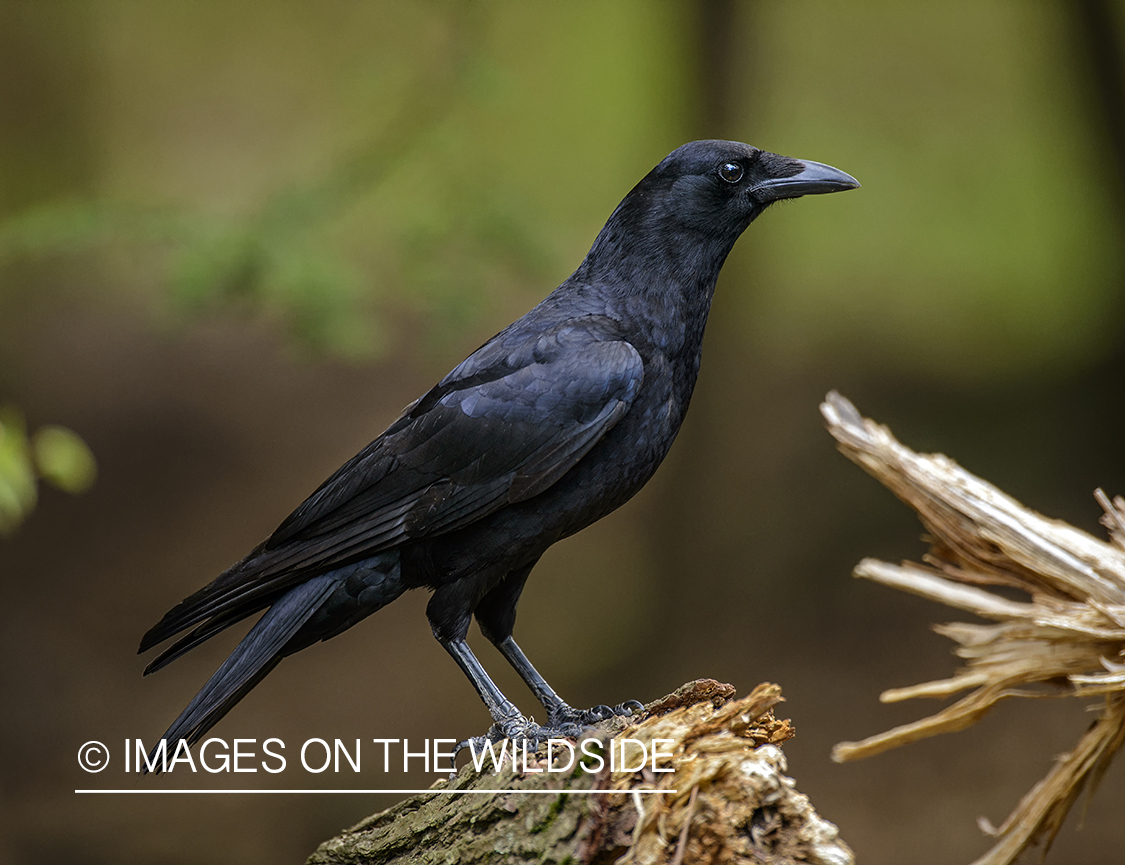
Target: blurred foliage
[[335, 170], [54, 454], [428, 199], [278, 258]]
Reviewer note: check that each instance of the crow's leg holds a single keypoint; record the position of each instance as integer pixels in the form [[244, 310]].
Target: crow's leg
[[503, 711], [496, 615], [449, 612], [508, 721], [560, 716]]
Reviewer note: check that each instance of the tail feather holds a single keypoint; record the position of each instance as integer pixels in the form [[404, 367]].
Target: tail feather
[[207, 602], [204, 632], [257, 654]]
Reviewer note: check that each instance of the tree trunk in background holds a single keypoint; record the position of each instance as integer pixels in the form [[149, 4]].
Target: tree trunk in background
[[678, 535], [1097, 31], [1100, 55]]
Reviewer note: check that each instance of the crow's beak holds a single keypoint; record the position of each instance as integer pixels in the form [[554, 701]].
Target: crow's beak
[[812, 179]]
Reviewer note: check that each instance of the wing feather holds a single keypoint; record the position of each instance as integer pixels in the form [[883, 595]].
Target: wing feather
[[504, 426]]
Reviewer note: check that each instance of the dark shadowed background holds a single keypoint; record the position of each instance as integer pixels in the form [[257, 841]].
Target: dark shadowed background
[[235, 239]]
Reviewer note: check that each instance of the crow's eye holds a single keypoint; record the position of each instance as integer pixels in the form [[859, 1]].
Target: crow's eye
[[731, 172]]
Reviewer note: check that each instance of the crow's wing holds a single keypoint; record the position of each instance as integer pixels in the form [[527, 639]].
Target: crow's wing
[[502, 427]]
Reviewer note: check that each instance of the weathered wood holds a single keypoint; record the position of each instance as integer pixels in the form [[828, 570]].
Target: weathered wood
[[1067, 639], [725, 799]]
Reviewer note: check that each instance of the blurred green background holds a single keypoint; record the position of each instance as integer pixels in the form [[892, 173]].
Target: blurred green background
[[236, 238]]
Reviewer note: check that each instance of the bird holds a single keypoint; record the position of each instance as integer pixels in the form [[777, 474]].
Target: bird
[[550, 425]]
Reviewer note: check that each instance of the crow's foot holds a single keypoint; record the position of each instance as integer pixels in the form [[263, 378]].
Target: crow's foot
[[518, 729], [564, 715], [564, 723]]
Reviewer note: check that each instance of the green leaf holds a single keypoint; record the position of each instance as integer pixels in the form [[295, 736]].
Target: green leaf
[[63, 459], [17, 475]]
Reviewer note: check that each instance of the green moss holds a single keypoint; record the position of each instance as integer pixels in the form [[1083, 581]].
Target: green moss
[[551, 815]]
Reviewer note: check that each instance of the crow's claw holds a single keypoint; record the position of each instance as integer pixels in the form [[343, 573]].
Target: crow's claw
[[518, 729], [565, 715], [564, 723], [599, 713]]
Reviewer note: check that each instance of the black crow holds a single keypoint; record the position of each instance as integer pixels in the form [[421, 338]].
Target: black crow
[[554, 422]]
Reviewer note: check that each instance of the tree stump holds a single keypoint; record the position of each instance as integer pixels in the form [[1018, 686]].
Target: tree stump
[[699, 777]]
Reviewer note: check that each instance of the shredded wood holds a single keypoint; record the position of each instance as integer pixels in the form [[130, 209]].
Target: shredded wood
[[733, 801], [1066, 639]]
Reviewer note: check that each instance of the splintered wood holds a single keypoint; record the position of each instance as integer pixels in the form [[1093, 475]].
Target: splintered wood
[[1067, 639], [716, 792], [733, 802]]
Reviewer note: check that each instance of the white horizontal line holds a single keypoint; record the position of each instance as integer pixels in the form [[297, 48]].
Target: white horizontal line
[[367, 792]]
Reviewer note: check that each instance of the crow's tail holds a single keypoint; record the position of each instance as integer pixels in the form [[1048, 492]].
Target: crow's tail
[[257, 654]]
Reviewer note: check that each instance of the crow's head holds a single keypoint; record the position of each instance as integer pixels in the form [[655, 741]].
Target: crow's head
[[719, 187], [680, 222]]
